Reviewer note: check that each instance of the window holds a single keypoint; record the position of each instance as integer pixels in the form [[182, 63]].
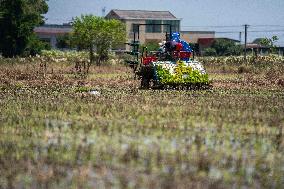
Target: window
[[153, 28], [135, 28], [173, 23]]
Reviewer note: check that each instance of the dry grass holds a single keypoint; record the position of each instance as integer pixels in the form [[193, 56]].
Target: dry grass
[[54, 134]]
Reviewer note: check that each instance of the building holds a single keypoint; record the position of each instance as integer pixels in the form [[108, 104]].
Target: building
[[131, 18], [195, 36], [148, 33], [206, 42], [199, 39], [50, 32], [154, 33], [255, 48]]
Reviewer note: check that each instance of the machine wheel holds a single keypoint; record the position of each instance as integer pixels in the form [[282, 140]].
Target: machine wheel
[[146, 73], [145, 83]]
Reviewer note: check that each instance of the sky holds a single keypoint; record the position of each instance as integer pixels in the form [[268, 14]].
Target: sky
[[265, 17]]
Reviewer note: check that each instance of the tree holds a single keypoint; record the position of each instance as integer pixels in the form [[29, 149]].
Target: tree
[[209, 52], [92, 32], [35, 46], [270, 43], [17, 21], [64, 41], [226, 47], [151, 46]]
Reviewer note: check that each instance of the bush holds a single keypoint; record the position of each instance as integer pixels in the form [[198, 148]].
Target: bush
[[35, 46], [226, 47], [235, 50], [151, 46], [210, 52], [64, 41]]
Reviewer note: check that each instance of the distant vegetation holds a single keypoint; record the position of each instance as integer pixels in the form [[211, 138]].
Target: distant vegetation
[[17, 21], [98, 34], [65, 42], [270, 43], [223, 47], [151, 46]]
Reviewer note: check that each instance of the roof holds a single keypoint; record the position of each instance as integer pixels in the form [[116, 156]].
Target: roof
[[198, 32], [141, 15], [206, 41], [229, 39], [209, 41], [53, 29], [254, 45]]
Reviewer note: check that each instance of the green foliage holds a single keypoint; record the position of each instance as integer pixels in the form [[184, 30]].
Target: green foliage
[[226, 47], [182, 75], [270, 43], [235, 50], [64, 41], [96, 32], [151, 46], [17, 21], [35, 46], [209, 52]]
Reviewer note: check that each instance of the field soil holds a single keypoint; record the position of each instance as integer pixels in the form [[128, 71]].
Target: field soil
[[61, 128]]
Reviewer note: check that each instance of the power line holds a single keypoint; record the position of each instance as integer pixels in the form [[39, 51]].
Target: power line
[[228, 32], [254, 31], [231, 26], [267, 31], [267, 26], [212, 26]]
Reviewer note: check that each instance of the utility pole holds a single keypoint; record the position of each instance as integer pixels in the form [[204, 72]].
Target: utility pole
[[246, 35], [103, 11], [240, 37]]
